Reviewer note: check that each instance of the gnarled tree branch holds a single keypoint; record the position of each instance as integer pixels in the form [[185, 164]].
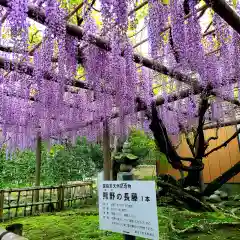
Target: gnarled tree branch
[[212, 138], [200, 140], [163, 141], [223, 144]]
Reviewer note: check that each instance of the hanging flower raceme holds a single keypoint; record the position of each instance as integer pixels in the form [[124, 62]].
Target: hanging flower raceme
[[71, 54], [169, 120], [2, 12], [157, 19], [227, 43], [120, 14], [119, 79], [62, 65], [38, 71], [131, 75], [99, 74], [106, 13], [47, 97], [178, 29], [236, 53], [46, 52], [107, 88], [194, 52], [91, 53], [55, 18], [17, 15], [17, 21], [212, 63], [145, 88]]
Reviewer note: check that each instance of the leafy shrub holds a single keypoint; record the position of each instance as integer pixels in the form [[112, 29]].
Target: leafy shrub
[[144, 146], [60, 164]]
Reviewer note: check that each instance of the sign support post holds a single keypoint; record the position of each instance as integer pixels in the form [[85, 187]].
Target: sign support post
[[126, 176]]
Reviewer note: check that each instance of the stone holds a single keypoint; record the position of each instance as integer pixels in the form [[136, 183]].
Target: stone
[[195, 189], [125, 168], [214, 198], [217, 192], [223, 195], [16, 228]]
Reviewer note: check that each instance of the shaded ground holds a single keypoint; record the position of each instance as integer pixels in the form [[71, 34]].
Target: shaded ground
[[173, 225]]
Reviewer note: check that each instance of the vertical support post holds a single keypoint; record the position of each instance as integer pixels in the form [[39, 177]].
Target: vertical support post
[[106, 151], [1, 204], [157, 168], [59, 197], [38, 168], [62, 197], [91, 190], [60, 193], [201, 183], [126, 176]]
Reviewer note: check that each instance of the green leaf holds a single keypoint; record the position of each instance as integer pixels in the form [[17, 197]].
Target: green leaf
[[119, 156], [131, 156]]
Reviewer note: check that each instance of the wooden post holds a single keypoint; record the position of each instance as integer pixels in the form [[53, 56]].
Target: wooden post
[[38, 168], [60, 198], [106, 151], [1, 204], [157, 168], [126, 176]]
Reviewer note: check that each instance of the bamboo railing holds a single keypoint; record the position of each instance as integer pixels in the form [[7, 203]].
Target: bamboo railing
[[21, 202]]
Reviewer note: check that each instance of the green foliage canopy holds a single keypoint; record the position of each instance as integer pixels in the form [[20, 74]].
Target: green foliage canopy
[[60, 164], [144, 147]]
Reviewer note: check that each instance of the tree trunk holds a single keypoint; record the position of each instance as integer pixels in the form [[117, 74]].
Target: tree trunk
[[181, 194], [218, 182], [194, 178]]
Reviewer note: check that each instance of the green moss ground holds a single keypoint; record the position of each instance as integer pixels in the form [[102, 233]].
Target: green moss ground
[[83, 224]]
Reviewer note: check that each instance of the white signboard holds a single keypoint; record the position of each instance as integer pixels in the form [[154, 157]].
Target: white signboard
[[129, 207]]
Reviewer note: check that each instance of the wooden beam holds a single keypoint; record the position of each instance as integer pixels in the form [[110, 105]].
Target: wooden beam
[[226, 12], [224, 124], [29, 70]]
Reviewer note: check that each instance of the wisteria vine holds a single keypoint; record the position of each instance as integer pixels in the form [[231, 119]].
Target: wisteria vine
[[43, 99]]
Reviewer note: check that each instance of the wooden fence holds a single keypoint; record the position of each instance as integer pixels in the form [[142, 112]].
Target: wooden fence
[[32, 200]]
